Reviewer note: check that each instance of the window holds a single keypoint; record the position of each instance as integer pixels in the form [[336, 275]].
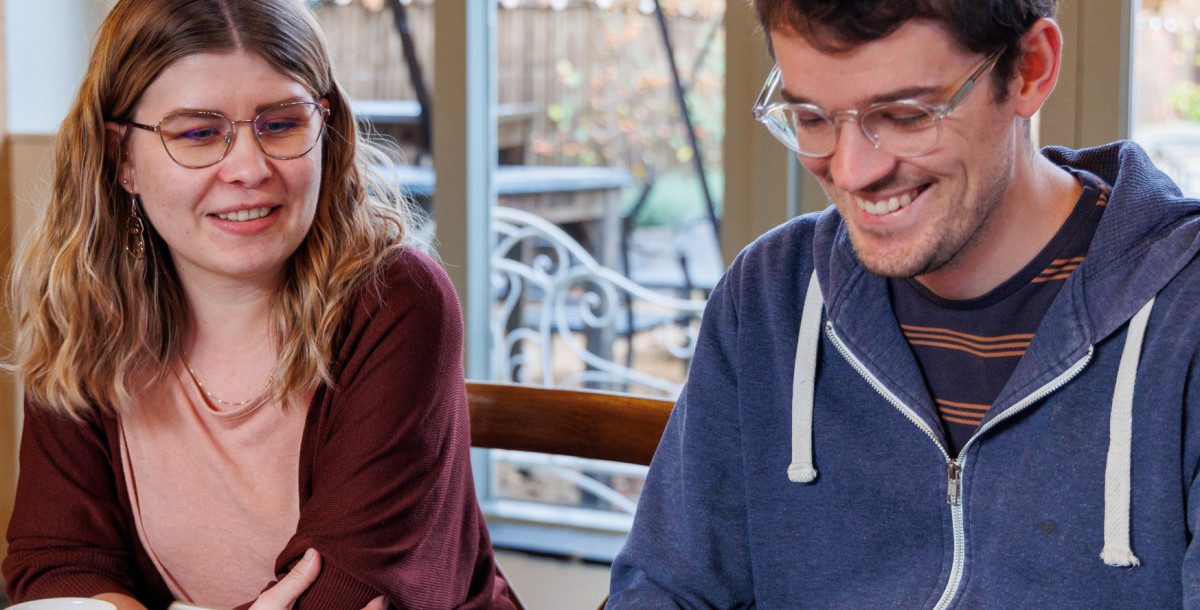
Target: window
[[1166, 93], [558, 123], [605, 222], [604, 196]]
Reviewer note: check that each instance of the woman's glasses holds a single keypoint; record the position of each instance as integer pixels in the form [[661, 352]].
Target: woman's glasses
[[200, 138]]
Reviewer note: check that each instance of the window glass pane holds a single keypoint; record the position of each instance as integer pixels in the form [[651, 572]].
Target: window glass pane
[[384, 60], [606, 243], [604, 233], [1166, 88]]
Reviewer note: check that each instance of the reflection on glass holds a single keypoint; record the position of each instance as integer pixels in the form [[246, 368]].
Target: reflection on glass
[[1166, 96], [606, 292], [605, 230]]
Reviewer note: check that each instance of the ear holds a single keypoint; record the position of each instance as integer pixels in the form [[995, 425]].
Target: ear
[[1037, 66], [114, 147]]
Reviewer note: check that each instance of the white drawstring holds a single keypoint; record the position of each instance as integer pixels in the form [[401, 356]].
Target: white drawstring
[[1117, 487], [804, 378]]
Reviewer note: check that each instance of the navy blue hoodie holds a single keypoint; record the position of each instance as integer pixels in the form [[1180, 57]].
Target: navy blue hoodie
[[805, 465]]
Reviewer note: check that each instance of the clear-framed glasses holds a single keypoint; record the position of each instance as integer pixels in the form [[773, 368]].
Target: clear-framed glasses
[[904, 128], [200, 138]]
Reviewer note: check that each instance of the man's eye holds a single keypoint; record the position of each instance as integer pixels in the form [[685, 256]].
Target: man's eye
[[808, 121], [904, 118]]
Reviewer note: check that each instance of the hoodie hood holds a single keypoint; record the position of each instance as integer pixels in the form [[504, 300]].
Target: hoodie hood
[[1138, 247]]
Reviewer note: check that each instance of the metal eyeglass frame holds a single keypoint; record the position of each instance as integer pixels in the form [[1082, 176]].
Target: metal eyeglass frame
[[937, 112], [232, 134]]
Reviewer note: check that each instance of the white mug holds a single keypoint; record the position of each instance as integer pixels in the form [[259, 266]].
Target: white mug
[[64, 603]]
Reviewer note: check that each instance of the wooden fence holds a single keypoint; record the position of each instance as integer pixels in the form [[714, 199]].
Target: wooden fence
[[598, 78]]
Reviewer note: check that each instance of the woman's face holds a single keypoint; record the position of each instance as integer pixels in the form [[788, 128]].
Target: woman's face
[[242, 217]]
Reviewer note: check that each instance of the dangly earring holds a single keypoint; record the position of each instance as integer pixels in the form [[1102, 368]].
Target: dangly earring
[[135, 240]]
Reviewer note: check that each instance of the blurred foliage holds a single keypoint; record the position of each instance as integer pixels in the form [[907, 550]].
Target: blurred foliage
[[1185, 99], [622, 110], [675, 199], [594, 71]]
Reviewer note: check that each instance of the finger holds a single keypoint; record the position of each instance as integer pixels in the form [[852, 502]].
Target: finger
[[291, 586], [379, 603]]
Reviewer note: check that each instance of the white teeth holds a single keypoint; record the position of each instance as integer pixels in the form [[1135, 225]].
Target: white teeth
[[244, 215], [884, 206]]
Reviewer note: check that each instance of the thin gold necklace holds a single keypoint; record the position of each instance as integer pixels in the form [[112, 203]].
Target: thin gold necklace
[[266, 386]]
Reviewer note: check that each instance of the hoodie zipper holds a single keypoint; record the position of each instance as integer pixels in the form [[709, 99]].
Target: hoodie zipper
[[1037, 395], [954, 467], [881, 389]]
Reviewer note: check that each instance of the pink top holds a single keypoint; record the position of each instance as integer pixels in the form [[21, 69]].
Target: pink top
[[214, 493]]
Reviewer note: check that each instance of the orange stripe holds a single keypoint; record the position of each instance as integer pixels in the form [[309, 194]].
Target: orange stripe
[[969, 350], [1063, 261], [964, 341], [962, 421], [934, 329], [965, 405], [945, 412], [1054, 270], [911, 336], [1063, 276]]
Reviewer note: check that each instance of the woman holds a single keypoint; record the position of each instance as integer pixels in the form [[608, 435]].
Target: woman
[[230, 356]]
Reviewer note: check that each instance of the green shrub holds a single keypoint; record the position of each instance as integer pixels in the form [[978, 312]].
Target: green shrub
[[1185, 98], [675, 198]]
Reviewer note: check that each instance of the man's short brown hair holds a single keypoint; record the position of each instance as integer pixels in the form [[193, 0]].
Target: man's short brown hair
[[980, 26]]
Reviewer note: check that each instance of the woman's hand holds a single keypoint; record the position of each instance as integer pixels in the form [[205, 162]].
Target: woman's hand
[[290, 587]]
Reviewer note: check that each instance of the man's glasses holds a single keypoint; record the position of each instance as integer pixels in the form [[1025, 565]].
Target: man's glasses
[[200, 138], [904, 128]]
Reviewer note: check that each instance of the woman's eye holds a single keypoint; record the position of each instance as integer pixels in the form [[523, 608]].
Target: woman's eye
[[203, 134], [199, 135], [278, 127]]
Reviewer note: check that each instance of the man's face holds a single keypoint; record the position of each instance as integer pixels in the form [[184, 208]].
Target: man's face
[[908, 216]]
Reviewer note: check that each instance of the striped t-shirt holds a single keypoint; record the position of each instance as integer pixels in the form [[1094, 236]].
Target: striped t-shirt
[[967, 349]]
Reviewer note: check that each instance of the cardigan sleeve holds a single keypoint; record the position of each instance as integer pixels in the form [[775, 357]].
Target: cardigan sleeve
[[385, 479], [68, 534]]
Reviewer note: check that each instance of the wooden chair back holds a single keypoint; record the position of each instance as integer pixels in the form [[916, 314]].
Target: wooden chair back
[[581, 423]]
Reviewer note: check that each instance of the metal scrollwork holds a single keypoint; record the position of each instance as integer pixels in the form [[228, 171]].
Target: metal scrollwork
[[555, 302]]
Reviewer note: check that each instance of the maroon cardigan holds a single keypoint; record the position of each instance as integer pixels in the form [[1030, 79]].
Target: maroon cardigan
[[386, 493]]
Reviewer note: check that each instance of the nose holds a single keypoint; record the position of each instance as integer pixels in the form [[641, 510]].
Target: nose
[[245, 162], [857, 163]]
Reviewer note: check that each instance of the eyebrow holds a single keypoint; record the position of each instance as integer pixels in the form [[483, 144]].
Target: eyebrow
[[908, 93], [295, 98], [257, 109]]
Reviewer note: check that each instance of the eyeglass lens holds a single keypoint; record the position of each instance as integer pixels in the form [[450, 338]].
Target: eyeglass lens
[[899, 129], [200, 139]]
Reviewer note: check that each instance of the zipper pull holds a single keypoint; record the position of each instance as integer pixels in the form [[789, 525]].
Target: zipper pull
[[953, 483]]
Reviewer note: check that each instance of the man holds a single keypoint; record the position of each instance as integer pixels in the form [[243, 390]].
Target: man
[[972, 382]]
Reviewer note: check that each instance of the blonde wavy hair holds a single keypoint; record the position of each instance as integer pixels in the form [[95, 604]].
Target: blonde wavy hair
[[97, 324]]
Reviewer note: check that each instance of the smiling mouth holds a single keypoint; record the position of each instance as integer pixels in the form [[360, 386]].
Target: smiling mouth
[[886, 206], [244, 215]]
